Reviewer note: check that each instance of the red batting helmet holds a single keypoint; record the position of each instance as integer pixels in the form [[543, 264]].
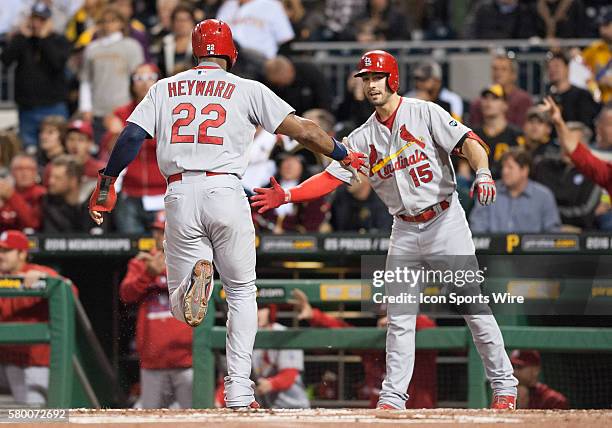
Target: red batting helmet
[[380, 62], [212, 37]]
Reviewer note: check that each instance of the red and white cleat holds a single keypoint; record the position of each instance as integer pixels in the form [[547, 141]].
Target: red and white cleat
[[387, 407], [504, 402], [195, 302]]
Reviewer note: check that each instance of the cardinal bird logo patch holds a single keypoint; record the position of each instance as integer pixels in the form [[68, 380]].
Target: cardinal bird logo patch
[[409, 138]]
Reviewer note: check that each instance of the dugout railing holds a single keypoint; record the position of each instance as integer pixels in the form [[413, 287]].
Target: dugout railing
[[80, 374], [209, 339]]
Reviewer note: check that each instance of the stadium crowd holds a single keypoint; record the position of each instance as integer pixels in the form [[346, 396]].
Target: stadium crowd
[[82, 66]]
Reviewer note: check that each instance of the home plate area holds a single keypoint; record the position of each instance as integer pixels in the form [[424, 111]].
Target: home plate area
[[333, 418]]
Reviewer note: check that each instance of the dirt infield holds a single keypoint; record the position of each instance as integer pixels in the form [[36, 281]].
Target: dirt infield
[[330, 418]]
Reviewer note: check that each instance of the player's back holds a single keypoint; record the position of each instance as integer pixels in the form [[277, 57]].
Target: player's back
[[205, 118]]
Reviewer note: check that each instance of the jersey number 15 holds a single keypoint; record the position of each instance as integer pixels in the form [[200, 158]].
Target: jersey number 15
[[203, 137]]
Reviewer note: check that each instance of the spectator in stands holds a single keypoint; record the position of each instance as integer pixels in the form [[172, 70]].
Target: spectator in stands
[[63, 207], [40, 82], [504, 72], [531, 393], [576, 104], [522, 205], [603, 129], [20, 195], [354, 109], [261, 167], [278, 372], [306, 23], [598, 57], [176, 54], [422, 390], [108, 63], [163, 343], [598, 170], [10, 14], [136, 30], [79, 143], [51, 138], [10, 146], [357, 208], [428, 86], [537, 131], [307, 217], [143, 185], [261, 25], [26, 367], [302, 85], [340, 15], [386, 20], [577, 197], [501, 19], [163, 23], [82, 26], [563, 19], [495, 129]]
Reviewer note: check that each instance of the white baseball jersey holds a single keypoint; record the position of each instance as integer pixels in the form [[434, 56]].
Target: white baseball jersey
[[409, 167], [205, 118], [268, 362]]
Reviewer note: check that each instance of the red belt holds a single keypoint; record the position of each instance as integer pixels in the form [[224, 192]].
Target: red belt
[[426, 215], [179, 176]]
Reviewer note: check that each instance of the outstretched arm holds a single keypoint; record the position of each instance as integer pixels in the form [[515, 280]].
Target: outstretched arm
[[596, 169], [311, 136], [273, 197]]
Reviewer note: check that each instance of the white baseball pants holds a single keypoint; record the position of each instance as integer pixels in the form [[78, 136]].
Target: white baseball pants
[[446, 235], [209, 217]]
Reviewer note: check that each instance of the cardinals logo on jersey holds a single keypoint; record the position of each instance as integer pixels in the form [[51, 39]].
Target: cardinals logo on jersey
[[409, 138]]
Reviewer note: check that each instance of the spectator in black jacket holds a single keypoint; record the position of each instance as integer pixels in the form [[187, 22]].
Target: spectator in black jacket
[[63, 209], [303, 86], [357, 208], [577, 197], [40, 83], [501, 19], [576, 104]]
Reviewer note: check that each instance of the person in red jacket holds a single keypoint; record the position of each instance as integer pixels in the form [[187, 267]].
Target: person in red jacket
[[163, 343], [531, 393], [423, 386], [20, 195], [143, 186], [597, 170], [25, 367]]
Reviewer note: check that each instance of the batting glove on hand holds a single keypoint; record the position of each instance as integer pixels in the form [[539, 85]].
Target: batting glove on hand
[[103, 198], [270, 197], [485, 187], [353, 162]]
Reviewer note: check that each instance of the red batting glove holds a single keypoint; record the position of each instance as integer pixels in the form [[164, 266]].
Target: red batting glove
[[485, 186], [269, 198], [103, 198]]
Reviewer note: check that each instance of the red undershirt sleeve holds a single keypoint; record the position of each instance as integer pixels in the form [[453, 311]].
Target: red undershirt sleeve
[[315, 187]]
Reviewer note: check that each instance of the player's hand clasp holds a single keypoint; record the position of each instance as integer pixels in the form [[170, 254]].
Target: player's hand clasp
[[354, 162], [484, 186]]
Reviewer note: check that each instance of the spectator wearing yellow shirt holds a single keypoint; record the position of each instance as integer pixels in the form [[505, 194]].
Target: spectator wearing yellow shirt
[[598, 57]]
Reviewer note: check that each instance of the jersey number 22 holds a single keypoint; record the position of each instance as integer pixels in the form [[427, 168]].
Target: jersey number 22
[[203, 137]]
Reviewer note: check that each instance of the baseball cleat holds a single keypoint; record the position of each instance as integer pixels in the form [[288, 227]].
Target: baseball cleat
[[195, 302], [504, 402], [387, 407], [253, 406]]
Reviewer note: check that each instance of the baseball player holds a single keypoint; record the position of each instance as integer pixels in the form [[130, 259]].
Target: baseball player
[[204, 120], [409, 143]]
